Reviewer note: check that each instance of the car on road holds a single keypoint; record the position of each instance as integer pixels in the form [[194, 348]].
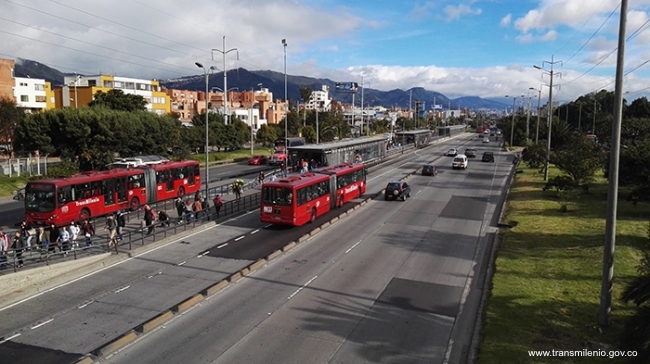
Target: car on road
[[488, 157], [397, 190], [429, 170], [459, 162], [452, 152], [257, 160], [277, 159], [486, 140], [470, 152]]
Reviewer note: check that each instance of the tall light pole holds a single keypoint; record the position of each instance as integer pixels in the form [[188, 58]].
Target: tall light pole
[[76, 80], [593, 129], [549, 122], [362, 114], [286, 134], [206, 72], [539, 100], [612, 193], [512, 123], [224, 52]]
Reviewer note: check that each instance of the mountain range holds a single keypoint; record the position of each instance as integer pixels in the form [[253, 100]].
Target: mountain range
[[274, 81]]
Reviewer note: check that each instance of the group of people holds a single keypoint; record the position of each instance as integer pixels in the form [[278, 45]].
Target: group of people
[[198, 208]]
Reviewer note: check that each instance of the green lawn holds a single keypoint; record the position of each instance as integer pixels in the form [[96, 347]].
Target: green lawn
[[242, 153], [9, 185], [546, 287]]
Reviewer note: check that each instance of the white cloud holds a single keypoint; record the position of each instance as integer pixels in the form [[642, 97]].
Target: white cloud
[[455, 12], [506, 20]]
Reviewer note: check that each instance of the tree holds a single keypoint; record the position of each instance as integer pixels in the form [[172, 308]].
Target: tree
[[267, 135], [579, 159], [535, 155], [10, 116], [639, 108], [305, 95], [116, 99], [309, 133]]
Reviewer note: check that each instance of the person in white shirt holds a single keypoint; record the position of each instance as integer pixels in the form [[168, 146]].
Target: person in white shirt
[[74, 233]]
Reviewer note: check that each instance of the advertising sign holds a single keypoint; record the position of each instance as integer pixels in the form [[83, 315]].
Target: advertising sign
[[347, 87]]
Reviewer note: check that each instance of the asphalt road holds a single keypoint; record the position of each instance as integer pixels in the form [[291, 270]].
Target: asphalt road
[[60, 325]]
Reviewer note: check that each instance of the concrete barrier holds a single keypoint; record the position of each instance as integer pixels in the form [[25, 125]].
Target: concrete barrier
[[303, 238], [155, 322], [325, 225], [274, 255], [289, 246], [244, 272], [334, 220], [315, 231], [189, 303], [235, 277], [117, 344], [216, 288], [257, 265], [86, 360]]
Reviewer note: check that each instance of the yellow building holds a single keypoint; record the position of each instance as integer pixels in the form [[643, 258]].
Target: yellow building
[[79, 91]]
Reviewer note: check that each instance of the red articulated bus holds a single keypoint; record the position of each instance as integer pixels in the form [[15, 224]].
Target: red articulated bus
[[81, 196], [297, 200]]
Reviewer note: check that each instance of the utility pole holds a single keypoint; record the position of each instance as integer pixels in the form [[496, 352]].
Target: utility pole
[[612, 193], [362, 113], [593, 129], [579, 117], [224, 52], [550, 114], [528, 122]]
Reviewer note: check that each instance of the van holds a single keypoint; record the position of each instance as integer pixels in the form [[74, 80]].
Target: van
[[460, 161]]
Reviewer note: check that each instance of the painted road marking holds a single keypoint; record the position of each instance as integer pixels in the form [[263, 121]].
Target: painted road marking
[[85, 304], [122, 289], [239, 238], [300, 289], [42, 323], [353, 246], [222, 245]]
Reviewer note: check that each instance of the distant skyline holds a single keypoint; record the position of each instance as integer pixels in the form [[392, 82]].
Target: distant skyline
[[483, 48]]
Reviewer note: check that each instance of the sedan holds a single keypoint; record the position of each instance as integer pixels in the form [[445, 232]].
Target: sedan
[[488, 157], [470, 152], [429, 170], [397, 190], [452, 152], [257, 160]]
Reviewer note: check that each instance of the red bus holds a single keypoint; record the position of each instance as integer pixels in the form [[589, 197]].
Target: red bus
[[297, 200], [84, 195]]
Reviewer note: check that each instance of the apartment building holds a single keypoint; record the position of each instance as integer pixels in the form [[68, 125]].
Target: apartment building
[[320, 100], [33, 94], [78, 91], [7, 82], [186, 104]]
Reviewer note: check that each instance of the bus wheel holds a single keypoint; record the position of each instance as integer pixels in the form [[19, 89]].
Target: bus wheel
[[313, 215], [135, 204], [84, 214], [181, 192]]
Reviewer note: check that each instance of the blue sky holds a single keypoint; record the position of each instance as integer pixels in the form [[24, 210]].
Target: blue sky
[[481, 48]]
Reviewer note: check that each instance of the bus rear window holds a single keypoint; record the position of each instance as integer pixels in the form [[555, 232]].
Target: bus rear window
[[277, 196]]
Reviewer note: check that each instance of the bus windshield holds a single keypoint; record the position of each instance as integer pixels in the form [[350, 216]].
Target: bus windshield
[[39, 197], [278, 196]]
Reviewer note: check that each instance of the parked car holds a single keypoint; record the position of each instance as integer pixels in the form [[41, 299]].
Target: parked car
[[459, 162], [257, 160], [470, 152], [397, 190], [429, 170], [488, 157], [452, 152]]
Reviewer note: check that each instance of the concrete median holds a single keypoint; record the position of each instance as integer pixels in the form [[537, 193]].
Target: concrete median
[[118, 343], [188, 303]]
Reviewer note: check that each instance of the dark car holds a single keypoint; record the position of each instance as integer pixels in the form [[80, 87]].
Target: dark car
[[470, 152], [429, 170], [397, 190], [257, 160], [488, 157]]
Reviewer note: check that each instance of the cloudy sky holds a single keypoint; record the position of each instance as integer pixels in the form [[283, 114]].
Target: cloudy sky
[[481, 48]]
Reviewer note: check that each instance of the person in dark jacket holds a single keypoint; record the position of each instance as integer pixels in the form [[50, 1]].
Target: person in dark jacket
[[121, 224], [180, 209], [88, 230], [148, 219], [54, 238], [163, 217], [18, 244]]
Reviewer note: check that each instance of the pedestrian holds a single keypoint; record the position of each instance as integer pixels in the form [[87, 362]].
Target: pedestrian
[[180, 208], [18, 245], [187, 210], [74, 234], [260, 178], [218, 202], [148, 219], [4, 247], [54, 238], [64, 240], [197, 196], [163, 217], [88, 230], [283, 169], [205, 207], [273, 177], [42, 241], [197, 208], [26, 233], [121, 224], [111, 227]]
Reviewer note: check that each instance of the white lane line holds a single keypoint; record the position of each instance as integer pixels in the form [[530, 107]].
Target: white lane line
[[182, 263], [42, 323], [255, 231], [353, 246], [222, 245], [417, 193], [267, 226], [85, 304], [239, 238], [300, 289], [203, 254], [9, 338], [122, 262], [122, 289]]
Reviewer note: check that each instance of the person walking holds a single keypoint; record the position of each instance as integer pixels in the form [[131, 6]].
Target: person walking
[[64, 240], [163, 217], [74, 234], [197, 208], [283, 169], [42, 241], [4, 247], [121, 224], [148, 219], [260, 178], [18, 245], [218, 202], [54, 238], [111, 227], [205, 207], [187, 210], [88, 230], [180, 208]]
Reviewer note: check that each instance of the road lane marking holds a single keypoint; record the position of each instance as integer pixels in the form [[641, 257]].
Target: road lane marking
[[353, 246], [122, 289], [9, 338], [239, 238], [267, 226], [417, 193], [255, 231], [222, 245], [203, 254], [85, 304], [182, 263], [42, 323], [300, 289]]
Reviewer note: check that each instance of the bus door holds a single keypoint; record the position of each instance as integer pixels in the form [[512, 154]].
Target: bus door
[[334, 202], [169, 180], [108, 190], [150, 185], [120, 187]]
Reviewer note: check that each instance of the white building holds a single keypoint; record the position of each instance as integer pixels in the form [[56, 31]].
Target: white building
[[320, 99], [31, 93], [249, 116]]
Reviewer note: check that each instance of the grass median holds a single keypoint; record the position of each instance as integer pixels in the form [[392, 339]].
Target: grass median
[[545, 291]]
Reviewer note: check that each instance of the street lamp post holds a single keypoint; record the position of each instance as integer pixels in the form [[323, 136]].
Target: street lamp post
[[224, 52], [76, 103], [206, 71], [286, 134], [550, 115], [539, 99], [512, 123]]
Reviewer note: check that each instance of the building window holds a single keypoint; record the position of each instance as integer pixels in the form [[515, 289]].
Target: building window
[[39, 87], [118, 84], [92, 83], [24, 98], [41, 99], [52, 99], [108, 84], [129, 85], [23, 84]]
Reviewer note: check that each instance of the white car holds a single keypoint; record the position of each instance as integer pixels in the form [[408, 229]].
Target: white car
[[452, 152], [460, 161], [486, 140]]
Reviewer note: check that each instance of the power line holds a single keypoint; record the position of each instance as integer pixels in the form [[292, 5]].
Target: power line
[[596, 32]]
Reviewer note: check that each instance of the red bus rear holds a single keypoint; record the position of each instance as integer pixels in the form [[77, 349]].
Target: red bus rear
[[297, 200], [81, 196], [176, 179]]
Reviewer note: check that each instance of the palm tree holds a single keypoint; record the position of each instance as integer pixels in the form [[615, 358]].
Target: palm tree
[[305, 95]]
